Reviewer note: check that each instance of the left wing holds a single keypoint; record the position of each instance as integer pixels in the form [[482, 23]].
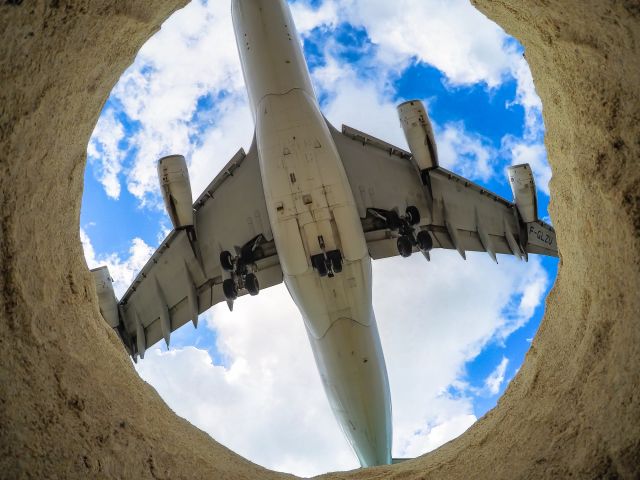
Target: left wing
[[456, 212], [184, 277]]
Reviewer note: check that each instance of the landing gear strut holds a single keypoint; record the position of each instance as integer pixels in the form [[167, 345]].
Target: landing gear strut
[[241, 268], [405, 227]]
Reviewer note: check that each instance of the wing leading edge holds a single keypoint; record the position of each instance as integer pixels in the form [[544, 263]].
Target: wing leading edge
[[175, 286]]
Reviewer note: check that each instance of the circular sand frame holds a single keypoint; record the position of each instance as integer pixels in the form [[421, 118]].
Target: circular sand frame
[[72, 406]]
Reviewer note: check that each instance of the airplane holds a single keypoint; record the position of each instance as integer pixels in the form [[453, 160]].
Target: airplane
[[311, 206]]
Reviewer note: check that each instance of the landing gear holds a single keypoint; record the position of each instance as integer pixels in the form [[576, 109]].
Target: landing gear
[[335, 258], [412, 215], [251, 284], [327, 264], [424, 241], [405, 246], [226, 261], [230, 289], [405, 227], [242, 269]]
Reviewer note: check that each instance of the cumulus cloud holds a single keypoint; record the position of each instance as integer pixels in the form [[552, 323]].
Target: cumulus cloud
[[494, 381], [183, 79], [105, 154], [267, 403], [466, 153], [435, 317], [452, 36], [123, 271]]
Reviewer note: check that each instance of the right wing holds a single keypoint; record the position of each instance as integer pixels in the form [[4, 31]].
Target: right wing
[[175, 286], [457, 213]]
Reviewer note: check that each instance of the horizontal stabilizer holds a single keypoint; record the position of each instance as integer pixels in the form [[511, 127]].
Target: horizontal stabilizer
[[399, 460]]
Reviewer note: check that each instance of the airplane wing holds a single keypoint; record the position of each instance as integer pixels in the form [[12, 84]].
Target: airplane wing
[[456, 212], [184, 278]]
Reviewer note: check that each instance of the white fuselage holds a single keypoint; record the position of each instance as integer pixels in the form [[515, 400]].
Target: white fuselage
[[311, 211]]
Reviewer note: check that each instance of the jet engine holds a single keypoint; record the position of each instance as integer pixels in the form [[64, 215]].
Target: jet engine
[[523, 187], [106, 296], [176, 190], [419, 134]]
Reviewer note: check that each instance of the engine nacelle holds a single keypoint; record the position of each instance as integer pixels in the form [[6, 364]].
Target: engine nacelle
[[523, 187], [176, 190], [419, 133], [106, 296]]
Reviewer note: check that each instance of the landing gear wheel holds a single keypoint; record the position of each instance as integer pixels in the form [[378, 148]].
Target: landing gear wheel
[[322, 269], [425, 242], [230, 290], [226, 260], [251, 284], [318, 262], [405, 248], [335, 258], [413, 215]]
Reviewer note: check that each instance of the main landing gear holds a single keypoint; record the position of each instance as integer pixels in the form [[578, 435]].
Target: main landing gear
[[242, 270], [327, 264], [405, 227]]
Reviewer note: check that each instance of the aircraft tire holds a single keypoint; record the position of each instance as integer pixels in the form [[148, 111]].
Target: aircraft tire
[[425, 242], [251, 284], [336, 261], [226, 260], [405, 248], [229, 289], [413, 215]]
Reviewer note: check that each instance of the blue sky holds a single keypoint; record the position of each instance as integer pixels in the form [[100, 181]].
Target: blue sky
[[463, 328]]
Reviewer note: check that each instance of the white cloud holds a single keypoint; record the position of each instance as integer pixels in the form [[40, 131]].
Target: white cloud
[[435, 317], [193, 59], [123, 271], [360, 103], [431, 438], [466, 153], [452, 36], [104, 153], [268, 403], [306, 18], [494, 381]]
